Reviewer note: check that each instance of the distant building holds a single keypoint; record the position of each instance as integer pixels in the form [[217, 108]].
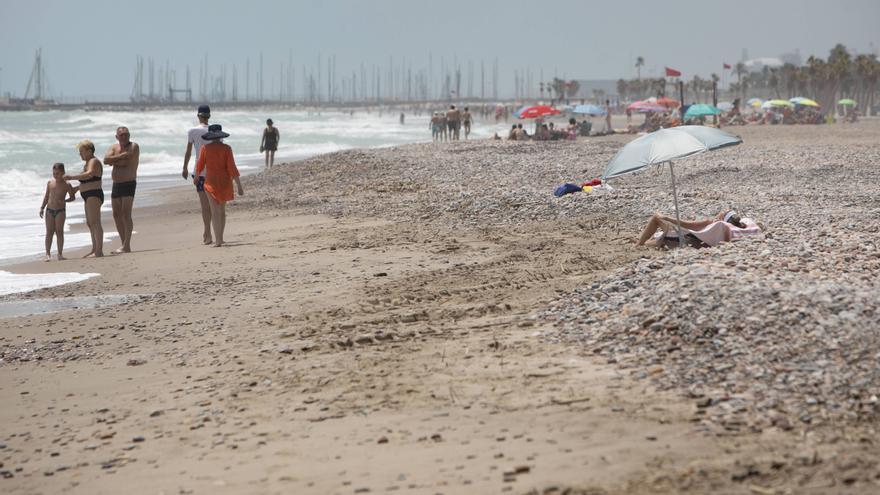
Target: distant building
[[793, 58], [758, 64]]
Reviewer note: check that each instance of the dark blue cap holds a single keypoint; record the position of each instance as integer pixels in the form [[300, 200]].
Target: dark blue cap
[[204, 110]]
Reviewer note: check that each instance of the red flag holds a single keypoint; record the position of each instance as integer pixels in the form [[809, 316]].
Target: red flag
[[672, 72], [727, 66]]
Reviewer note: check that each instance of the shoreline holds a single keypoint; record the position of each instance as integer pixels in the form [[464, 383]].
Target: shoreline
[[420, 318]]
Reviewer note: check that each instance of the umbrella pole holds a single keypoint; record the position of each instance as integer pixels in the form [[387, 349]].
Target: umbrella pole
[[675, 199]]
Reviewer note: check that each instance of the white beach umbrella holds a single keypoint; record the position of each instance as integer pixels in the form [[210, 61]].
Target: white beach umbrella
[[664, 146]]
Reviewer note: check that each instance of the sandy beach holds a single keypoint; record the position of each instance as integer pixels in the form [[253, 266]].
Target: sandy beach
[[430, 319]]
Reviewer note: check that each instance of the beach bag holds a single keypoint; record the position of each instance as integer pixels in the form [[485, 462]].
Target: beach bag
[[566, 188]]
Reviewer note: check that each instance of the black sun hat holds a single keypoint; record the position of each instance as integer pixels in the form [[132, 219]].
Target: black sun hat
[[215, 131]]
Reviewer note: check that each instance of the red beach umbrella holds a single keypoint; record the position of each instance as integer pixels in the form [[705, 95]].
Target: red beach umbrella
[[538, 111], [668, 102], [646, 106]]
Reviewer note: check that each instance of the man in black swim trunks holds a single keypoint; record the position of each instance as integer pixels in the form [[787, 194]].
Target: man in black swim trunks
[[124, 157]]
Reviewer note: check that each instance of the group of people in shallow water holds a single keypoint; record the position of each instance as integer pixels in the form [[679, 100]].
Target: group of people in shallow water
[[213, 177], [447, 126]]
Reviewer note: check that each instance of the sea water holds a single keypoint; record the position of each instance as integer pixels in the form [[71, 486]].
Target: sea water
[[30, 142]]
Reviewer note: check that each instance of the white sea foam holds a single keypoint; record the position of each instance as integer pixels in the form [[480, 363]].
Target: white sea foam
[[11, 283], [30, 142]]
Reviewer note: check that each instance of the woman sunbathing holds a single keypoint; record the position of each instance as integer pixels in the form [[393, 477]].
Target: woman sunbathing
[[726, 226]]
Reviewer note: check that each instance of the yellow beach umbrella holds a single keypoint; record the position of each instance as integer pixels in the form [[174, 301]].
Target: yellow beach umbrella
[[807, 102]]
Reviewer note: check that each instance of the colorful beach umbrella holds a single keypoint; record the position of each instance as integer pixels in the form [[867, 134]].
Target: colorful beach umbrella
[[589, 109], [646, 106], [800, 100], [668, 102], [537, 111], [649, 108], [516, 113], [847, 101], [754, 102], [700, 110], [664, 146], [777, 104]]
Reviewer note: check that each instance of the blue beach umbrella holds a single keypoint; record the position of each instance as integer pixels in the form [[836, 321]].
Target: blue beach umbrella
[[664, 146], [700, 110], [589, 109]]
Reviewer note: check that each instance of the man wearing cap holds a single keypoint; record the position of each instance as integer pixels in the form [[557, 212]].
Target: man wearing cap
[[194, 140]]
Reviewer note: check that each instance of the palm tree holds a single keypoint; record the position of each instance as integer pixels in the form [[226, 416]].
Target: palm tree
[[659, 85], [558, 86], [773, 81], [862, 72], [839, 61], [872, 75], [740, 70], [696, 86], [573, 88], [640, 61], [713, 84], [745, 83], [789, 74], [816, 71]]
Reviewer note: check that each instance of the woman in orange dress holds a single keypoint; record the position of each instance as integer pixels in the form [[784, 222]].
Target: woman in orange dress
[[220, 172]]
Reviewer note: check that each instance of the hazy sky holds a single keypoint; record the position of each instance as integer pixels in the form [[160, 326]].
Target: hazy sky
[[89, 46]]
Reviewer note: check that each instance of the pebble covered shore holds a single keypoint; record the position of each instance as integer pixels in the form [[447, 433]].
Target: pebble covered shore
[[779, 331]]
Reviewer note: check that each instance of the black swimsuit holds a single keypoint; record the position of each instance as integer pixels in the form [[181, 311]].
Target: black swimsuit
[[122, 189], [96, 193]]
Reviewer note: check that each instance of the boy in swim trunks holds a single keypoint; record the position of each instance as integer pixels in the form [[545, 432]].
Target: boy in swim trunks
[[53, 207]]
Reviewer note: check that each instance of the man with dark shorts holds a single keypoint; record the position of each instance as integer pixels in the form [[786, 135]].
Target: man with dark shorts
[[194, 142], [453, 120], [124, 157]]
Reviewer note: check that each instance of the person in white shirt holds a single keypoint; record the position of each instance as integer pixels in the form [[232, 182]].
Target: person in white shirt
[[194, 141]]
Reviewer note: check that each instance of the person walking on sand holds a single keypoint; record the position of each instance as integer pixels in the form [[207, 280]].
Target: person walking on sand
[[92, 193], [124, 157], [608, 129], [466, 120], [194, 142], [57, 189], [217, 162], [269, 144]]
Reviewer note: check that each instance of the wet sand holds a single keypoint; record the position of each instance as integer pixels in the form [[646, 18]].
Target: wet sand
[[403, 320]]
